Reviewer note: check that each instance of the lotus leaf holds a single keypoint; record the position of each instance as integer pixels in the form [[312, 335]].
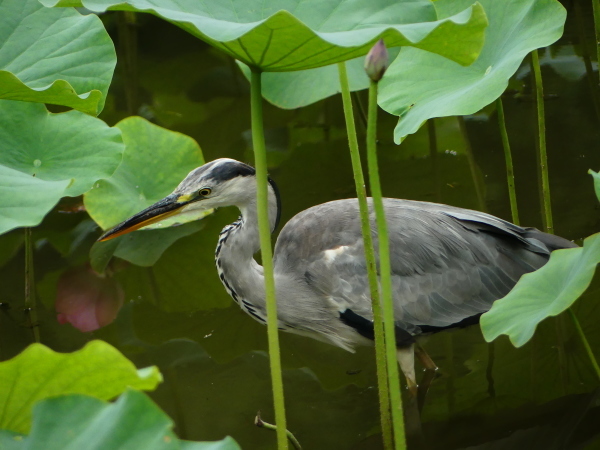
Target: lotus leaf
[[420, 85], [284, 35], [154, 163], [38, 372], [55, 56], [544, 293], [73, 422], [45, 156]]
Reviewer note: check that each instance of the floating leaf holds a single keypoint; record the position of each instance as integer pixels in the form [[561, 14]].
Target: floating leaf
[[420, 85], [596, 177], [38, 372], [154, 163], [74, 422], [55, 56], [47, 156], [283, 35], [544, 293]]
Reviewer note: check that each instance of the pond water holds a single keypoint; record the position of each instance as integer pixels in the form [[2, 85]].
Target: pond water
[[213, 356]]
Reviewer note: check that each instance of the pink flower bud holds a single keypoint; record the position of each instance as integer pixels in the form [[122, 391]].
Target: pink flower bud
[[87, 301], [377, 61]]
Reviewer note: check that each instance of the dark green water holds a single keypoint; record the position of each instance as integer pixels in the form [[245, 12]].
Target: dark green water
[[213, 356]]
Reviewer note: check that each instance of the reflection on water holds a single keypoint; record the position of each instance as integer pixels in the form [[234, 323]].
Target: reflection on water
[[177, 315]]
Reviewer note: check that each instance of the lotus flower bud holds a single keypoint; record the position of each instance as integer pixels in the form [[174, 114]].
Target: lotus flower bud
[[87, 301], [377, 61]]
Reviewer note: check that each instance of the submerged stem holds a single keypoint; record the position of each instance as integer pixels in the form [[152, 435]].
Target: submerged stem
[[585, 53], [260, 161], [30, 307], [596, 9], [384, 271], [433, 156], [510, 174], [262, 424], [361, 193], [477, 181], [585, 342], [541, 121]]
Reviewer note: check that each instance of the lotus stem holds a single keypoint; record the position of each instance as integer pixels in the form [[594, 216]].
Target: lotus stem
[[433, 155], [128, 46], [385, 271], [260, 161], [543, 157], [30, 307], [596, 9], [477, 182], [585, 343], [361, 193], [510, 174], [262, 424], [585, 53]]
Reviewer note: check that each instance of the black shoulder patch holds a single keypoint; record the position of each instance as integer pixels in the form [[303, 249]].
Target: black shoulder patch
[[365, 328], [231, 169], [467, 321]]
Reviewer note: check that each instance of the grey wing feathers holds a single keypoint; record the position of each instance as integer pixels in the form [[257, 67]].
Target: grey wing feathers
[[447, 263]]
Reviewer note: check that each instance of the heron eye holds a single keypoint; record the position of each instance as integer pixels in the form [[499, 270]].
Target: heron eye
[[204, 192]]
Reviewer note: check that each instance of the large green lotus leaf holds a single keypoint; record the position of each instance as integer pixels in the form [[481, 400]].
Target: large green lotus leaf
[[98, 369], [544, 293], [154, 163], [74, 422], [420, 85], [287, 35], [55, 56], [45, 156], [25, 200]]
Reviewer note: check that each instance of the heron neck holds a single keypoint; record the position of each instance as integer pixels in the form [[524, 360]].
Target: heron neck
[[241, 275]]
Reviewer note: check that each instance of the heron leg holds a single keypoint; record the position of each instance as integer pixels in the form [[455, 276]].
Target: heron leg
[[429, 375], [406, 359]]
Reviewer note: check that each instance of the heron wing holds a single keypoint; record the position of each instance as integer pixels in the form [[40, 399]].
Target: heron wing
[[447, 263]]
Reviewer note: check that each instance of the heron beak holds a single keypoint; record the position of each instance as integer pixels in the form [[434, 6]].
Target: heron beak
[[167, 207]]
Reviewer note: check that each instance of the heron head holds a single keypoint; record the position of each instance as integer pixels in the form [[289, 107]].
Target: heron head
[[222, 182]]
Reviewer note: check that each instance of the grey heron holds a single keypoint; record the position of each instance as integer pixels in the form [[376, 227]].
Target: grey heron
[[449, 264]]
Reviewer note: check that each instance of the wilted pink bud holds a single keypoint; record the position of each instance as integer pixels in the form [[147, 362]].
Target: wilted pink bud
[[86, 300], [377, 61]]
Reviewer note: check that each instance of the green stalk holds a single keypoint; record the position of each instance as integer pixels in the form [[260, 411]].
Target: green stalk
[[477, 180], [510, 174], [361, 193], [596, 9], [29, 286], [384, 271], [541, 121], [433, 155], [128, 47], [585, 342], [585, 53], [262, 424], [260, 161]]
